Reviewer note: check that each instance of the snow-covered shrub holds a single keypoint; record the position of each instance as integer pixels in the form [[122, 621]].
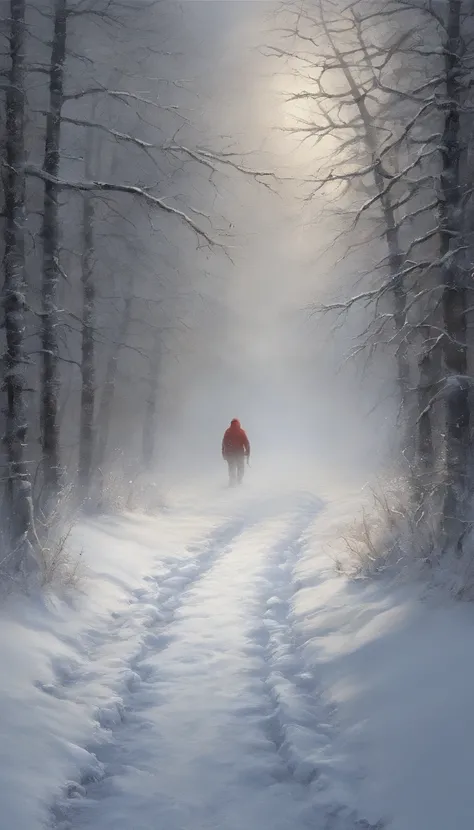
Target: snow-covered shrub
[[145, 494], [59, 565], [390, 533], [51, 561], [110, 494], [393, 535], [122, 487]]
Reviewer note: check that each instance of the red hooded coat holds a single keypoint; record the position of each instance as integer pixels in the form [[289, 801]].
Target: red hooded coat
[[235, 441]]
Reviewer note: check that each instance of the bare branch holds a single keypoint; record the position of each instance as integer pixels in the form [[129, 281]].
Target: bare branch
[[132, 190]]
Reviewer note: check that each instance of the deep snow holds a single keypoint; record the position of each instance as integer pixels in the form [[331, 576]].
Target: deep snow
[[216, 673]]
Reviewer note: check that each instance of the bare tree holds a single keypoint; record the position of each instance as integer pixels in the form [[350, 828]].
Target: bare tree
[[51, 253], [88, 330], [149, 420], [455, 289], [19, 504], [108, 391], [337, 58]]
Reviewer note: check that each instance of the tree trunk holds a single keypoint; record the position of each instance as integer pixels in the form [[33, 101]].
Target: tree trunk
[[454, 300], [429, 368], [395, 265], [50, 380], [86, 438], [149, 423], [87, 427], [19, 501], [395, 254], [108, 393]]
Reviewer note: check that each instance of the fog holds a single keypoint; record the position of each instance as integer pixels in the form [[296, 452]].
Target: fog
[[255, 351]]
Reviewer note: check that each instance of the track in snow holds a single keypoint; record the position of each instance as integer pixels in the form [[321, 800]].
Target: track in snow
[[219, 725]]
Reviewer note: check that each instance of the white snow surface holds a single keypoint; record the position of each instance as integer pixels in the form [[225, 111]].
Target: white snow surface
[[216, 674]]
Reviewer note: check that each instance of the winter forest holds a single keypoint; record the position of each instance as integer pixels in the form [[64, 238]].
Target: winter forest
[[217, 211], [135, 185]]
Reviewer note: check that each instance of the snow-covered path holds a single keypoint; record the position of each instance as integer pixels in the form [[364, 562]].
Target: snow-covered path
[[216, 673], [218, 723]]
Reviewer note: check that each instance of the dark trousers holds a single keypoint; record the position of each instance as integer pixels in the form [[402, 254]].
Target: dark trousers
[[236, 464]]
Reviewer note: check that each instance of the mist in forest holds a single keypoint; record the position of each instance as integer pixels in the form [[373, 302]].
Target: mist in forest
[[171, 236], [256, 350]]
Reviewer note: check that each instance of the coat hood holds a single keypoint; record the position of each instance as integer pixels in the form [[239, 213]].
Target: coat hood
[[235, 423]]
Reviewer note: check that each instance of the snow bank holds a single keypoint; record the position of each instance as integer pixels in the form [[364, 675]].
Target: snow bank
[[396, 666], [66, 667]]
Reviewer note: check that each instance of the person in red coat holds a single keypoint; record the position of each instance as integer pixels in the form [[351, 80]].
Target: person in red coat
[[235, 449]]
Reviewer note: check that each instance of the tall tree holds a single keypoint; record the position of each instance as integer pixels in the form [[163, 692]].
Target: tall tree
[[19, 505], [88, 331], [51, 252], [151, 403], [454, 279]]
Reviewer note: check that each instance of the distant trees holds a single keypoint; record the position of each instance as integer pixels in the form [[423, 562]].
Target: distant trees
[[87, 296]]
